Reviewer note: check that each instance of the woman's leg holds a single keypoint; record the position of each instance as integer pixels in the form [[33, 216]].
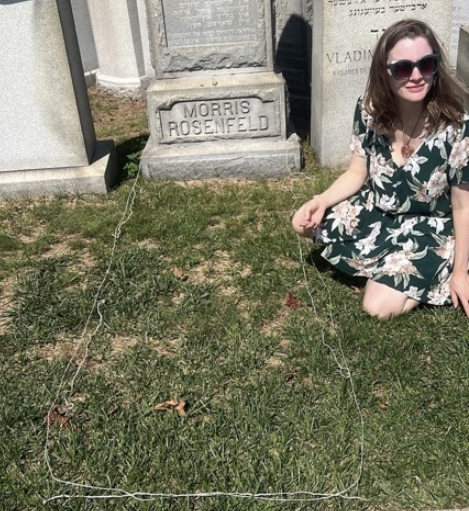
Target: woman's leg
[[384, 302]]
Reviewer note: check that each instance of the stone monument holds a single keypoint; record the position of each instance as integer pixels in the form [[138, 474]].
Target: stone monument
[[47, 142], [216, 108], [341, 63], [460, 17], [293, 32]]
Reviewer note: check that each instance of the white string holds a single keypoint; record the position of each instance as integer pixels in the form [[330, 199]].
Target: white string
[[101, 492]]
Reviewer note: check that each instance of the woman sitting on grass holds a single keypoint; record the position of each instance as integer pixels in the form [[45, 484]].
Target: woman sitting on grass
[[400, 214]]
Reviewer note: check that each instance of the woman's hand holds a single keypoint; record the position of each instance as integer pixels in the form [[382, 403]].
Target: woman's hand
[[459, 290], [310, 215]]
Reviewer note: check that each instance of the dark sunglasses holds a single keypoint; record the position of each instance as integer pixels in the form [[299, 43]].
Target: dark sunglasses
[[403, 69]]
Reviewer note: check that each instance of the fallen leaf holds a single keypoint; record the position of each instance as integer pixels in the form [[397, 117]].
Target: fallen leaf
[[382, 405], [356, 290], [179, 406], [58, 416], [292, 301]]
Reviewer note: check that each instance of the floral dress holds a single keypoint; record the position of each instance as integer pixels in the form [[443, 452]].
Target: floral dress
[[398, 228]]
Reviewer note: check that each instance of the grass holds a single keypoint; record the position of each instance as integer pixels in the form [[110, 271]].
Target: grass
[[205, 301]]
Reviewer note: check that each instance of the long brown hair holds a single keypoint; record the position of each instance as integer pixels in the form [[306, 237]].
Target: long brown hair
[[443, 102]]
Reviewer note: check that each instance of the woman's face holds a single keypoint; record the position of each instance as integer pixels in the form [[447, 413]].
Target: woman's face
[[415, 88]]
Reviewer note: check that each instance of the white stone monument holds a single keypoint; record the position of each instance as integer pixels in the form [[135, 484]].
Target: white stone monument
[[47, 142], [345, 33], [216, 108], [460, 17]]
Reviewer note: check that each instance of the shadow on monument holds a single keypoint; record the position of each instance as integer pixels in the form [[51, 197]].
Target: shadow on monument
[[293, 59]]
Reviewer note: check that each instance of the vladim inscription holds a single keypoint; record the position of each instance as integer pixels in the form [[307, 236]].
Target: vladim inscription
[[237, 118]]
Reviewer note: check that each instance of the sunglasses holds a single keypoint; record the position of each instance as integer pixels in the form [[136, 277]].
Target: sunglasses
[[403, 69]]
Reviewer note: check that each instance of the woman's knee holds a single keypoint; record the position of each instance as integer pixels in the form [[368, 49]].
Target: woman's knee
[[383, 302]]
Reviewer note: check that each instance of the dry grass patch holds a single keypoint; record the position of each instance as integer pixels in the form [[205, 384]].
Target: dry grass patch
[[119, 344], [166, 347], [64, 349]]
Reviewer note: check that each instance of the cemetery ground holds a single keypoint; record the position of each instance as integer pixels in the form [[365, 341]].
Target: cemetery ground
[[279, 382]]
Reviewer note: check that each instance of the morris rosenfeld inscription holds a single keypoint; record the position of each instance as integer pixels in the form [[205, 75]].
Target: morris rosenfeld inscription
[[206, 22], [220, 119]]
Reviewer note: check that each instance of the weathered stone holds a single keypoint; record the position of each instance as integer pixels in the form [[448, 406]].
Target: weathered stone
[[216, 109], [188, 36], [46, 121]]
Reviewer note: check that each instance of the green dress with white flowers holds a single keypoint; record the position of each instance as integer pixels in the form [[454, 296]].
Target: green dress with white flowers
[[398, 228]]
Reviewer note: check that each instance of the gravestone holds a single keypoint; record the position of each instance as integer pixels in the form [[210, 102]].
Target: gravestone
[[341, 63], [460, 17], [216, 108], [47, 142], [292, 30], [462, 71]]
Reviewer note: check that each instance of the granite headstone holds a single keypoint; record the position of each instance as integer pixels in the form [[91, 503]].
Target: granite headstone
[[216, 108], [48, 143]]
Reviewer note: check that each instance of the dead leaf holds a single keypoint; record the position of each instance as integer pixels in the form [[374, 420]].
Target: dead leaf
[[292, 301], [383, 405], [179, 406], [356, 290], [58, 416]]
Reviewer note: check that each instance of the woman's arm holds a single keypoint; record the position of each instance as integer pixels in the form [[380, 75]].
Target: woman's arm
[[459, 284], [310, 215]]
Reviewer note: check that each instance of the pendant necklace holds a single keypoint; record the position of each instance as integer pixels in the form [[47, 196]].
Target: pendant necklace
[[407, 150]]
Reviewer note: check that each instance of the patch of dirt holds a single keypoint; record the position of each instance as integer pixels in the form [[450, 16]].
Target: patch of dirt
[[274, 327], [166, 348], [147, 244], [6, 301], [62, 350], [219, 268], [119, 344]]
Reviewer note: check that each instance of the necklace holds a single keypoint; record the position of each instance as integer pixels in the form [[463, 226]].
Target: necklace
[[407, 150]]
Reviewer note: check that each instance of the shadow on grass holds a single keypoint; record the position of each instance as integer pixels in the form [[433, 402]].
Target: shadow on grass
[[128, 157], [314, 258]]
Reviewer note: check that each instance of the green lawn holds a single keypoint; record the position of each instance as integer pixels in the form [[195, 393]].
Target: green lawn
[[205, 295]]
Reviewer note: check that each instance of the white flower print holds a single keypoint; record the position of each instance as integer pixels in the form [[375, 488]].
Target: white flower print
[[437, 184], [459, 156], [387, 203], [380, 171], [439, 294], [399, 263], [414, 293], [414, 164], [446, 250], [356, 146], [437, 223], [366, 245], [345, 217]]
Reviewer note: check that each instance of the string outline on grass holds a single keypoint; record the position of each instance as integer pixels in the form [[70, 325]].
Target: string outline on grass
[[119, 493]]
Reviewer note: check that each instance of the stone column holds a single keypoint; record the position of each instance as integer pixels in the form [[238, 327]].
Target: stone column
[[460, 17], [344, 36], [216, 108], [48, 143], [116, 29], [86, 42]]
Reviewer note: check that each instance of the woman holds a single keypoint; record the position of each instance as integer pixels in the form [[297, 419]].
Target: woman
[[400, 214]]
